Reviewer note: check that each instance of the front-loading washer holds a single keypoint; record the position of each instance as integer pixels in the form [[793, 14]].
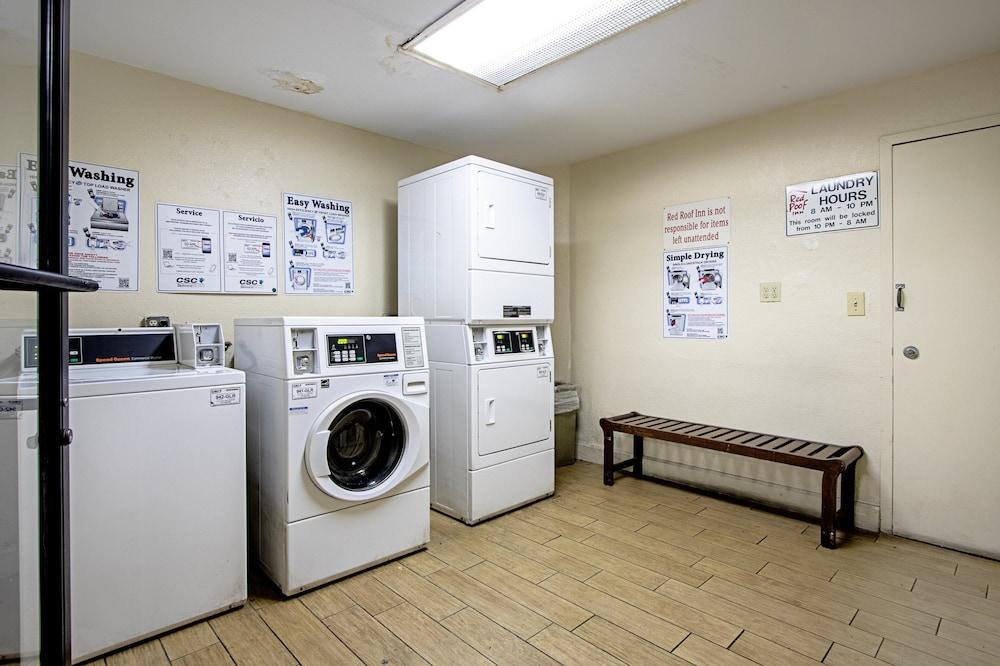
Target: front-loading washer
[[337, 443]]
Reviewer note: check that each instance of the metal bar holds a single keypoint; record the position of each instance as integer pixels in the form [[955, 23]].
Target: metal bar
[[20, 278], [54, 434]]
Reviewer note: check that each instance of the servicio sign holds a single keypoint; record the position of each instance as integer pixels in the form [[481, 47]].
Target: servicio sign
[[832, 204]]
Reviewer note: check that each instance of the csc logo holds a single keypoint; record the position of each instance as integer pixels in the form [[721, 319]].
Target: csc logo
[[190, 280], [251, 283]]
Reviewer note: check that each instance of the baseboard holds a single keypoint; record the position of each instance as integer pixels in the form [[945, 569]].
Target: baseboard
[[787, 498]]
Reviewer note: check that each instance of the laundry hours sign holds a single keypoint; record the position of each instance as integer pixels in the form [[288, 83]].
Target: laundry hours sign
[[833, 204]]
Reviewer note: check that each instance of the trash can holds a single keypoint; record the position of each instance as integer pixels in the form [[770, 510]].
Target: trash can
[[567, 403]]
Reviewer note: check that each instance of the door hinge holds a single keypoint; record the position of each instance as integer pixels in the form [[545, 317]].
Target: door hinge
[[550, 425]]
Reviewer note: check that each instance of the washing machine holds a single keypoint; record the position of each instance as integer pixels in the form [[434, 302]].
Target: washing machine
[[475, 260], [337, 443], [157, 486]]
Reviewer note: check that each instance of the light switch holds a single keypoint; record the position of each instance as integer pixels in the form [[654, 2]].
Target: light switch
[[770, 292], [855, 304]]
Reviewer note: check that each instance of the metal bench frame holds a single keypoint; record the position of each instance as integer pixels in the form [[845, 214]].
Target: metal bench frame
[[834, 461]]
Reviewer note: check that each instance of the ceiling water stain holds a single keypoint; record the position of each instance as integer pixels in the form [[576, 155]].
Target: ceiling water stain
[[292, 82]]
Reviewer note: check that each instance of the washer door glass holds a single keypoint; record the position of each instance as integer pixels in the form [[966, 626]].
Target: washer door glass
[[365, 445]]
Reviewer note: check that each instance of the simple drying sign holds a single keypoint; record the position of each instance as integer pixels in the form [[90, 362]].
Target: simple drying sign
[[833, 204]]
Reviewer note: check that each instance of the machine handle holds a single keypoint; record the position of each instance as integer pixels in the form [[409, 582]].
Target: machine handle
[[491, 216], [491, 411], [899, 296]]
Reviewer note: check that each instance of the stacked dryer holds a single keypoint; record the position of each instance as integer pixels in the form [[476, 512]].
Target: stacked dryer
[[475, 260]]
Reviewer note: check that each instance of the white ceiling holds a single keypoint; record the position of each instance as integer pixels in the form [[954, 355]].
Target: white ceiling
[[708, 62]]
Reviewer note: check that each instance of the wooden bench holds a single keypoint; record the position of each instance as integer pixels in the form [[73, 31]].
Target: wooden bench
[[834, 461]]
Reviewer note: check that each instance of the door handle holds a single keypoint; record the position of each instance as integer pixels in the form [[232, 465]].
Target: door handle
[[491, 411], [899, 296], [491, 216]]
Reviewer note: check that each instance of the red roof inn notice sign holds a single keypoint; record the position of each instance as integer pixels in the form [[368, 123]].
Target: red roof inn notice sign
[[834, 204], [696, 224]]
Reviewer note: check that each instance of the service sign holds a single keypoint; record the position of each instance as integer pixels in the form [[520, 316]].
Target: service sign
[[833, 204]]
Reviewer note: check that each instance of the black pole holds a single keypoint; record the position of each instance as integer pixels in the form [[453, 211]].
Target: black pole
[[54, 434]]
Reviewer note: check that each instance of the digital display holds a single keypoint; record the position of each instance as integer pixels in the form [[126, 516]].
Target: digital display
[[513, 342]]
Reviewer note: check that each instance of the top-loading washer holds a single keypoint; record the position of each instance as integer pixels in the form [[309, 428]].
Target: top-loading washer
[[338, 447], [157, 484]]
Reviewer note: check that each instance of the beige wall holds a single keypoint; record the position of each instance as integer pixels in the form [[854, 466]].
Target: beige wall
[[800, 367], [197, 146]]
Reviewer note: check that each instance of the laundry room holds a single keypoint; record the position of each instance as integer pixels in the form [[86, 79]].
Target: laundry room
[[489, 331]]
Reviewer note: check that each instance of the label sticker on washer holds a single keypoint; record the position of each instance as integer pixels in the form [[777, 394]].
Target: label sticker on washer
[[391, 380], [304, 409], [10, 409], [541, 193], [304, 391], [542, 371], [516, 311], [229, 395]]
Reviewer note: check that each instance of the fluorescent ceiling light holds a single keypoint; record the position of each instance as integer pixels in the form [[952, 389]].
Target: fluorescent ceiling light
[[501, 40]]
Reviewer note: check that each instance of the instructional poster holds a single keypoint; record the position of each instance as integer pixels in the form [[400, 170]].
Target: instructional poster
[[8, 214], [188, 249], [103, 225], [833, 204], [696, 293], [250, 248], [27, 217], [319, 245]]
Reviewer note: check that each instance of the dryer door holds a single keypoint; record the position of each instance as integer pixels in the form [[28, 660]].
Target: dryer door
[[360, 447]]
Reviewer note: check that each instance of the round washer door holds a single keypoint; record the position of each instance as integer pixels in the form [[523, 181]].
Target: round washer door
[[359, 447]]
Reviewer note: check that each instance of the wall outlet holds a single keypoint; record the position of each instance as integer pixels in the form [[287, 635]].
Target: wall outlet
[[855, 304], [770, 292]]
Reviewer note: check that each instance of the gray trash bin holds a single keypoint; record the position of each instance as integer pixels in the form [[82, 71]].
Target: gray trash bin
[[567, 403]]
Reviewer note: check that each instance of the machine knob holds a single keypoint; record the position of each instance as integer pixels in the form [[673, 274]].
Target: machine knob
[[911, 352]]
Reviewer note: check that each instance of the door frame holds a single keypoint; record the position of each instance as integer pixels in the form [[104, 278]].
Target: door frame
[[886, 145]]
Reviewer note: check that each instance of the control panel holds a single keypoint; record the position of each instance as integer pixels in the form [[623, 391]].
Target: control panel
[[108, 347], [513, 342], [365, 348]]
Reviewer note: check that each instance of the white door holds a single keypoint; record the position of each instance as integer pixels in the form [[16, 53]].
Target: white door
[[515, 406], [515, 219], [946, 401]]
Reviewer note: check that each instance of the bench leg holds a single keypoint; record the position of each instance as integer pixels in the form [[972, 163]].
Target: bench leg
[[828, 520], [637, 456], [609, 457], [847, 498]]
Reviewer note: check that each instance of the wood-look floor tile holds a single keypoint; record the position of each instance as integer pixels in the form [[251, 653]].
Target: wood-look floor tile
[[419, 591], [508, 559], [495, 642], [541, 519], [305, 636], [898, 654], [369, 593], [975, 638], [565, 515], [428, 638], [978, 603], [700, 652], [543, 602], [326, 600], [213, 655], [842, 656], [521, 527], [567, 648], [149, 653], [188, 640], [863, 597], [656, 547], [797, 596], [370, 640], [801, 641], [918, 640], [551, 558], [707, 626], [642, 558], [452, 553], [423, 563], [602, 560], [248, 640], [624, 645], [598, 512], [646, 625], [705, 548], [763, 651], [498, 607], [838, 632]]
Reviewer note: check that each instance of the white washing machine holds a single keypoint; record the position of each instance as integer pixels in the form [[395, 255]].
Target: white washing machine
[[475, 260], [337, 434], [157, 486]]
